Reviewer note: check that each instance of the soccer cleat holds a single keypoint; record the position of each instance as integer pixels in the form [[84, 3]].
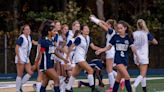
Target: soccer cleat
[[21, 90], [109, 90], [101, 85], [133, 88]]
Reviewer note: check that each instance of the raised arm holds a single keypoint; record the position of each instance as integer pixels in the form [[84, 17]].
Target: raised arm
[[99, 22]]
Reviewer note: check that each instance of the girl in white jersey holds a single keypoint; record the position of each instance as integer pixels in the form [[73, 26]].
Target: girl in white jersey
[[22, 50], [109, 28], [70, 33], [82, 42], [141, 40]]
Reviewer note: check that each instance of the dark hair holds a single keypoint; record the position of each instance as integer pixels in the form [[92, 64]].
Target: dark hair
[[82, 26], [76, 33], [128, 30], [45, 27]]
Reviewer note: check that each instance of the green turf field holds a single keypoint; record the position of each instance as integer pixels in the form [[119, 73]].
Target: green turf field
[[152, 86]]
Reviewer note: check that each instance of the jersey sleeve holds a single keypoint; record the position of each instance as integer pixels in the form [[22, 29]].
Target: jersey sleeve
[[150, 36], [112, 41], [69, 43], [19, 41], [131, 41], [67, 34], [77, 41], [110, 31], [91, 40], [56, 38]]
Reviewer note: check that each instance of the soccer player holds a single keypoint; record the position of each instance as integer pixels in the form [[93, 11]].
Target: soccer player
[[109, 27], [141, 40], [81, 43], [22, 50], [97, 65], [48, 49], [121, 41], [70, 33]]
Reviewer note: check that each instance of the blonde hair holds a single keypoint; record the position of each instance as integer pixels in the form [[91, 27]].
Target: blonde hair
[[112, 22], [141, 25]]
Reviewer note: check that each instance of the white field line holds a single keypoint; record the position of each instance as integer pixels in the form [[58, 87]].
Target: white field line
[[8, 86]]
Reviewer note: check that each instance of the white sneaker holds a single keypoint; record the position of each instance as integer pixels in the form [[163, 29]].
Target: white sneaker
[[133, 88]]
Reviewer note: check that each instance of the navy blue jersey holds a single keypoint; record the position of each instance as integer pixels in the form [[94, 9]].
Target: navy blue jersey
[[47, 56], [121, 45], [96, 63]]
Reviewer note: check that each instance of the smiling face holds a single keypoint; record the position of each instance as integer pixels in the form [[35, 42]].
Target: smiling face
[[121, 29], [85, 30], [26, 30]]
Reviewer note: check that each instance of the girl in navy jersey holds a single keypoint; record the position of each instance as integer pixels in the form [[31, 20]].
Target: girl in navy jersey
[[141, 40], [121, 41], [81, 44], [48, 52], [22, 50]]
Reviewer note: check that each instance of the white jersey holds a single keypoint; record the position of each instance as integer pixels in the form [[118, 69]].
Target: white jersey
[[60, 42], [141, 44], [110, 53], [81, 49], [24, 49], [69, 35]]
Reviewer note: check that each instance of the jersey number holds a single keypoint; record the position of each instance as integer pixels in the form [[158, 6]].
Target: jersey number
[[122, 54]]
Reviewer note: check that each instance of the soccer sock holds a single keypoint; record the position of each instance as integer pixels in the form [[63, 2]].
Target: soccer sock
[[143, 84], [137, 81], [128, 86], [111, 79], [18, 83], [84, 83], [116, 86], [70, 83], [38, 86], [90, 79], [26, 78], [114, 73], [57, 89], [42, 89]]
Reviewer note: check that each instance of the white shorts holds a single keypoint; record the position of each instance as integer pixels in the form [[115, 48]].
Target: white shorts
[[23, 60], [141, 61], [78, 57], [110, 53]]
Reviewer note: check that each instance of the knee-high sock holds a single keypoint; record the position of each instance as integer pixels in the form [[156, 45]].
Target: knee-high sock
[[38, 86], [128, 86], [143, 82], [70, 83], [90, 79], [116, 86], [26, 78], [18, 83], [57, 89], [137, 81], [111, 79], [114, 73], [43, 89]]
